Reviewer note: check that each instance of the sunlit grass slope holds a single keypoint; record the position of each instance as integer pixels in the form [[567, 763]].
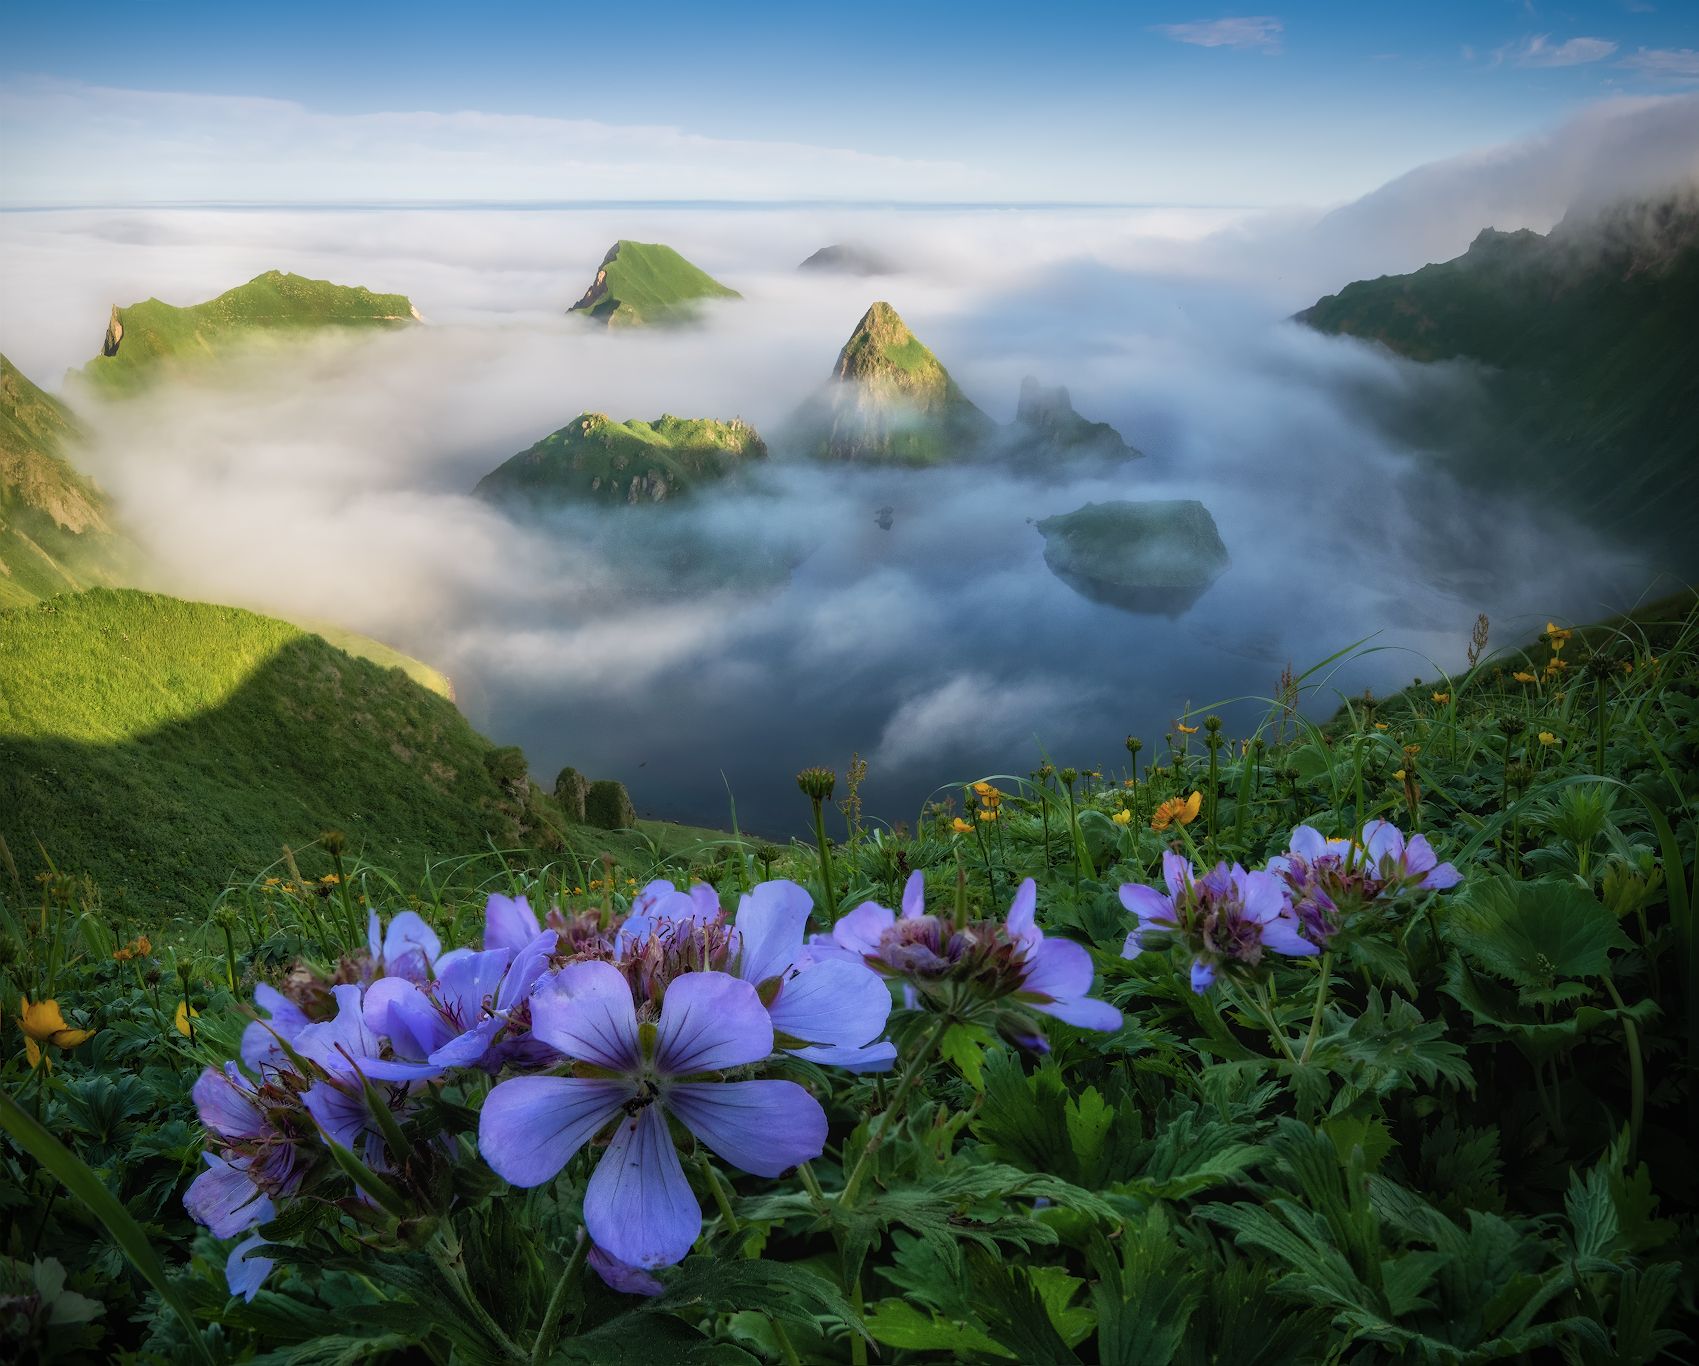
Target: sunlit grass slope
[[160, 745], [648, 282], [150, 338]]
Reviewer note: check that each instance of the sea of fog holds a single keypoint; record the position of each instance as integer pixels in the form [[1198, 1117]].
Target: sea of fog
[[331, 483]]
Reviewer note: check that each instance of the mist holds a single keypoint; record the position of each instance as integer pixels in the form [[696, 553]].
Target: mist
[[331, 482]]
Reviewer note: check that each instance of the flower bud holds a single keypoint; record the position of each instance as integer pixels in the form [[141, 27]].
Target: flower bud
[[817, 783]]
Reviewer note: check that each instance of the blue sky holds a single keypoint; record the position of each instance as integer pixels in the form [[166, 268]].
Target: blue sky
[[1137, 102]]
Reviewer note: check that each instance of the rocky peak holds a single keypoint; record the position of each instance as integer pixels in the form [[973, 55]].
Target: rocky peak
[[114, 334]]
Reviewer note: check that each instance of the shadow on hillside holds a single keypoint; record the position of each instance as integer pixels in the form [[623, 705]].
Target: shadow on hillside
[[313, 739]]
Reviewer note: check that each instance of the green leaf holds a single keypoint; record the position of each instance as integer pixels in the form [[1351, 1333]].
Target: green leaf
[[1536, 934], [964, 1045], [74, 1173], [898, 1323]]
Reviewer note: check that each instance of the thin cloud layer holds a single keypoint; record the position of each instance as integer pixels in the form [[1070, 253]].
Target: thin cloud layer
[[1261, 32], [1540, 51]]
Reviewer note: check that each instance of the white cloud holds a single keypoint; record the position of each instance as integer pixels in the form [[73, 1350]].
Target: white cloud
[[965, 713], [142, 146], [1664, 63], [1540, 51], [1247, 31]]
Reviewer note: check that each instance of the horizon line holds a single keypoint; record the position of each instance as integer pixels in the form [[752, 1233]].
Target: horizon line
[[561, 205]]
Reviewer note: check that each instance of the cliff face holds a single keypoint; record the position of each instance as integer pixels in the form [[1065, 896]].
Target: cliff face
[[56, 527], [595, 459], [891, 401], [1591, 355]]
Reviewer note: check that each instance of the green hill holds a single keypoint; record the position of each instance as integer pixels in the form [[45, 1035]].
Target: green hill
[[1047, 427], [56, 528], [890, 401], [1593, 356], [152, 338], [646, 282], [595, 459], [160, 746]]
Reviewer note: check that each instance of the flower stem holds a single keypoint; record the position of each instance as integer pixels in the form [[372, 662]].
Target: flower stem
[[549, 1329], [448, 1262], [783, 1339], [722, 1200], [1636, 1071], [828, 896], [1315, 1016], [911, 1074]]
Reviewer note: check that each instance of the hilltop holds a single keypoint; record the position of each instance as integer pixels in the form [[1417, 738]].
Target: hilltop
[[846, 259], [647, 282], [1591, 356], [56, 527], [160, 745], [151, 338], [1046, 427], [596, 459], [891, 401]]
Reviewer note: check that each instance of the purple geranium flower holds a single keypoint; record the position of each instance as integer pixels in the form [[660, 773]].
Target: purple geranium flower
[[509, 923], [453, 1021], [1328, 877], [639, 1208], [260, 1046], [409, 948], [1227, 916]]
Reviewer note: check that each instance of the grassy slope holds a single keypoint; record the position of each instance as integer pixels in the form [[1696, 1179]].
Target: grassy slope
[[159, 336], [1598, 361], [55, 526], [596, 458], [161, 745], [649, 282]]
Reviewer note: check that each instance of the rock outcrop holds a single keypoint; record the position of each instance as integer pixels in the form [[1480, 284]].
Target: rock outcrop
[[1156, 556], [1046, 427]]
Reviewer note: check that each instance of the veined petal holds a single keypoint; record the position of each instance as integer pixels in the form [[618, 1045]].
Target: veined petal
[[859, 930], [638, 1206], [1148, 904], [709, 1021], [400, 1011], [1022, 923], [410, 946], [1282, 934], [468, 984], [914, 895], [585, 1011], [1057, 969], [225, 1198], [529, 964], [838, 1003], [531, 1126], [764, 1127], [1381, 840], [333, 1043], [628, 1280], [244, 1273], [873, 1057], [1083, 1013], [704, 902], [1265, 895], [771, 922], [1442, 878], [468, 1049], [260, 1047], [1132, 948], [226, 1105], [341, 1114], [509, 922], [1176, 873], [1308, 843]]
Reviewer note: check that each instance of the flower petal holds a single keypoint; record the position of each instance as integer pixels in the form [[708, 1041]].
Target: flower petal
[[410, 947], [638, 1206], [467, 987], [764, 1127], [341, 1114], [585, 1011], [400, 1011], [1203, 976], [225, 1198], [1177, 873], [1022, 923], [260, 1047], [509, 922], [628, 1280], [226, 1105], [1084, 1013], [1148, 904], [333, 1043], [710, 1020], [873, 1057], [860, 929], [531, 1126], [529, 964], [835, 1003], [1282, 934], [771, 922], [914, 895], [245, 1273], [1058, 970]]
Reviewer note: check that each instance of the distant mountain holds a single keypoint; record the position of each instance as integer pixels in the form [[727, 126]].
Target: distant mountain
[[646, 282], [843, 259], [152, 338], [890, 401], [1592, 351], [595, 459], [56, 528], [1046, 427]]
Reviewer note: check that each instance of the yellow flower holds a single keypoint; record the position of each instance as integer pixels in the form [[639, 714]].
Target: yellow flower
[[1547, 738], [987, 813], [1442, 698], [984, 789], [1177, 810], [144, 945], [1122, 818], [121, 955], [272, 881], [185, 1012], [1627, 668], [1400, 775], [1380, 725], [1522, 677], [43, 1024], [329, 880], [1185, 729], [961, 827]]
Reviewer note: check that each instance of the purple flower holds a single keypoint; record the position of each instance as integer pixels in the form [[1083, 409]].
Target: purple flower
[[226, 1198], [1406, 863], [260, 1046], [628, 1280], [1327, 878], [988, 960], [453, 1021], [409, 948], [831, 1011], [509, 923], [1227, 916], [639, 1208], [245, 1273]]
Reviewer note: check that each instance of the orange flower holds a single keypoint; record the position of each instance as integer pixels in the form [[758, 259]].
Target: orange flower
[[987, 813], [1441, 698], [42, 1025], [1177, 810], [1522, 677], [984, 789], [1380, 725], [961, 827], [1185, 729]]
